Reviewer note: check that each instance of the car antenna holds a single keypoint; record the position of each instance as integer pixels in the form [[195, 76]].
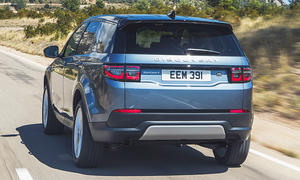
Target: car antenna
[[172, 14]]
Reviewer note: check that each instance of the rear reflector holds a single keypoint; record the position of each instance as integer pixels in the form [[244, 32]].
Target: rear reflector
[[128, 110], [238, 111]]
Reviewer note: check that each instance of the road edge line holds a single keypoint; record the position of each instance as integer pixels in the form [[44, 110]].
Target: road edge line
[[23, 174], [290, 166]]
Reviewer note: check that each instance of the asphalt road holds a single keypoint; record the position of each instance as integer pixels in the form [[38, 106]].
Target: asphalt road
[[27, 153]]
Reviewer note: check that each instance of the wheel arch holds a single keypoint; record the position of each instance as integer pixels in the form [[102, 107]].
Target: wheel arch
[[84, 92], [76, 98], [46, 83]]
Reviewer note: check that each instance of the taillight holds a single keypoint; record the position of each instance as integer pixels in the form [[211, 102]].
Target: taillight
[[122, 73], [128, 110], [114, 72], [133, 73], [239, 74], [236, 74], [247, 74]]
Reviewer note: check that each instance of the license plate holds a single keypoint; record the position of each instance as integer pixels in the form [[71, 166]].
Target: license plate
[[185, 75]]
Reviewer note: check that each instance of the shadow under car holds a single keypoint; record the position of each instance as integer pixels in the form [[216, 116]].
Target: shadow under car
[[141, 160]]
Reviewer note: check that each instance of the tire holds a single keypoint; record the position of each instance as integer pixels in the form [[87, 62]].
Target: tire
[[50, 123], [233, 154], [86, 153]]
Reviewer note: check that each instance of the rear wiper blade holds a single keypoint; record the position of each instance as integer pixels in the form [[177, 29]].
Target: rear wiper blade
[[200, 51]]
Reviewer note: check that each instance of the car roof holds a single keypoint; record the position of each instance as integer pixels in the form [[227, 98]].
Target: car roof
[[127, 18]]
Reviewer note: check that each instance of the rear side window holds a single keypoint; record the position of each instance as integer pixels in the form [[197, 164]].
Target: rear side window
[[88, 41], [181, 39], [105, 44], [71, 47]]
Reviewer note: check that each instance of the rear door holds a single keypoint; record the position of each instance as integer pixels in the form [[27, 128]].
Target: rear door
[[86, 45], [57, 75], [57, 84], [67, 57], [183, 67]]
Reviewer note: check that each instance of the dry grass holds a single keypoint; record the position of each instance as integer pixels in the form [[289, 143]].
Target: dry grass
[[251, 25], [273, 47], [117, 5], [18, 22], [16, 39], [12, 35], [278, 149], [22, 22], [282, 150]]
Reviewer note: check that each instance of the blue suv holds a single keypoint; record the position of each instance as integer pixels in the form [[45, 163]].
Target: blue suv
[[123, 79]]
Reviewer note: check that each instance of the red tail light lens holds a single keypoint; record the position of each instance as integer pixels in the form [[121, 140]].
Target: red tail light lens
[[133, 73], [114, 72], [128, 110], [236, 74], [247, 74], [118, 72], [238, 111], [239, 74]]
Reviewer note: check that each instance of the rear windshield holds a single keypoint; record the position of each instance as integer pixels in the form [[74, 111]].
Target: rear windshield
[[181, 39]]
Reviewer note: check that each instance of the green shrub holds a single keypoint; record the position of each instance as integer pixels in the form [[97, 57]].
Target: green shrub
[[47, 6], [19, 4], [28, 13], [100, 4], [71, 5], [142, 5], [6, 14]]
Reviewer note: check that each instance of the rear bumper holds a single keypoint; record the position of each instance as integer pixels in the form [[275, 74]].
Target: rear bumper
[[195, 127]]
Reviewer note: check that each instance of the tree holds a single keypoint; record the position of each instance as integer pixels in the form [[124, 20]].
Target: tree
[[214, 3], [254, 4], [238, 4], [71, 5], [186, 8], [157, 3], [7, 8], [185, 3], [47, 6], [100, 4], [142, 4], [227, 4], [19, 4], [294, 3]]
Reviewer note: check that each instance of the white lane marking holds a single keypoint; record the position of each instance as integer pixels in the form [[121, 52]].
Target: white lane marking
[[23, 174], [275, 160]]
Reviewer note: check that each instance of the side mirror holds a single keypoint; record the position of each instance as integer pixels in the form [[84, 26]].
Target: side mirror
[[51, 51]]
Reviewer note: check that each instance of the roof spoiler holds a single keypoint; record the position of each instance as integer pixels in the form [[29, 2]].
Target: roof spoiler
[[125, 23]]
